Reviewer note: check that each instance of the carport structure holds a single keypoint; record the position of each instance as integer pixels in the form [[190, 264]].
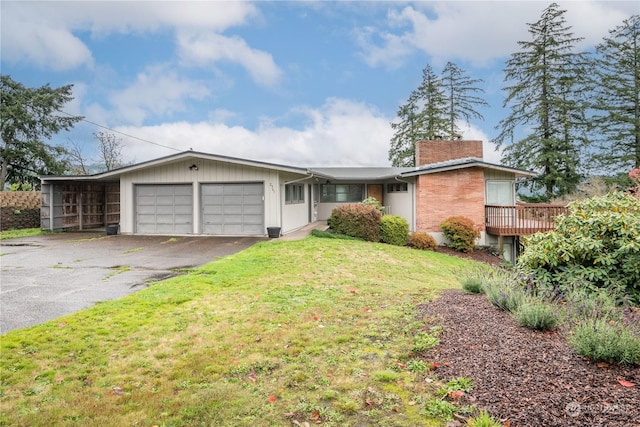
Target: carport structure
[[79, 205], [188, 193]]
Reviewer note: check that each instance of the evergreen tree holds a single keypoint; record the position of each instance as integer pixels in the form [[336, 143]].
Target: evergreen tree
[[617, 96], [433, 110], [432, 117], [402, 151], [546, 86], [461, 94], [28, 117]]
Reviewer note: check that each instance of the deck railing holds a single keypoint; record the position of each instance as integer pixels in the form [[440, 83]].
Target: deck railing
[[522, 219]]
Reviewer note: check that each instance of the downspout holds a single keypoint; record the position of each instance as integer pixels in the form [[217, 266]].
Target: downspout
[[413, 202]]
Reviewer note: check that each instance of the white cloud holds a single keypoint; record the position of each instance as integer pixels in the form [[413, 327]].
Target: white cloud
[[477, 31], [44, 33], [489, 151], [339, 133], [157, 91], [207, 48], [32, 39]]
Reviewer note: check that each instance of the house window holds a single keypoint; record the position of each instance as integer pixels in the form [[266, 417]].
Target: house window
[[293, 194], [397, 187], [342, 193], [500, 193]]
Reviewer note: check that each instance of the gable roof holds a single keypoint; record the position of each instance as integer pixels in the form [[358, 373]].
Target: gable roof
[[359, 173], [467, 162], [333, 173], [185, 155]]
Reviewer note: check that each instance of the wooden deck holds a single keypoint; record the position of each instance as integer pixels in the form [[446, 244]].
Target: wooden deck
[[522, 219]]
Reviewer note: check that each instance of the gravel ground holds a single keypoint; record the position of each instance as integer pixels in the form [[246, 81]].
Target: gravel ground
[[523, 377]]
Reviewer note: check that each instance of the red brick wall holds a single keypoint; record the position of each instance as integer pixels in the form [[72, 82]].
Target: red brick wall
[[440, 151], [445, 194]]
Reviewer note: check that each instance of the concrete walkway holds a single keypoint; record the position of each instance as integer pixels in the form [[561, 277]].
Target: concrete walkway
[[305, 231]]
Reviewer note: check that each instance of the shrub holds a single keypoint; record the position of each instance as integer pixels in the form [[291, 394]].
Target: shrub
[[394, 230], [605, 341], [537, 315], [582, 304], [595, 245], [504, 289], [422, 241], [472, 285], [356, 220], [461, 233], [372, 201]]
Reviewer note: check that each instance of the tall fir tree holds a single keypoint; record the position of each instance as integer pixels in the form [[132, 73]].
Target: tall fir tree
[[407, 132], [422, 117], [433, 111], [462, 98], [546, 128], [617, 96]]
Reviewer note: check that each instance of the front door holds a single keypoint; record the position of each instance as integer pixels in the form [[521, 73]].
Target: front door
[[375, 191]]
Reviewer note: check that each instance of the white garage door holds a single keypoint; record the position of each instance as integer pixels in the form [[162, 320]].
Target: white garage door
[[233, 209], [164, 209]]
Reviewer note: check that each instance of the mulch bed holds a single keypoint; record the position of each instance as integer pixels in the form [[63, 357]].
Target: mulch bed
[[523, 377]]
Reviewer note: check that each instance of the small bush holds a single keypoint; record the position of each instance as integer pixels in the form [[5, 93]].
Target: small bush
[[537, 315], [606, 341], [372, 201], [423, 241], [461, 233], [505, 289], [583, 304], [472, 285], [356, 220], [394, 230]]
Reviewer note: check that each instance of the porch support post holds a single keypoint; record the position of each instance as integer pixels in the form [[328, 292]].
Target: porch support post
[[80, 214]]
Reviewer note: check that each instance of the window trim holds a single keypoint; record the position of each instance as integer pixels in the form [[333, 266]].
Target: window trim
[[293, 194], [397, 187], [491, 195], [349, 194]]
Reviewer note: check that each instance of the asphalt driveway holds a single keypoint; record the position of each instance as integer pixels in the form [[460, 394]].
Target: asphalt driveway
[[44, 277]]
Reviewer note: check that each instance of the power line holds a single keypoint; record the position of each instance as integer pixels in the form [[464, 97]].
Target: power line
[[122, 133]]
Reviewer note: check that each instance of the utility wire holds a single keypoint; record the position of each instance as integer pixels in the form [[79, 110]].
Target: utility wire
[[121, 133]]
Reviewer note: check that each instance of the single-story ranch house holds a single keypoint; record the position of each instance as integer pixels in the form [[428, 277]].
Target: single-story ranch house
[[194, 193]]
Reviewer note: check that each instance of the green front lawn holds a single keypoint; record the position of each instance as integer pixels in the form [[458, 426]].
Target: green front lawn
[[285, 332]]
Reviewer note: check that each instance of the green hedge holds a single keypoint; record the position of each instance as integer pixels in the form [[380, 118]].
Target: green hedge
[[394, 230], [356, 220], [461, 233]]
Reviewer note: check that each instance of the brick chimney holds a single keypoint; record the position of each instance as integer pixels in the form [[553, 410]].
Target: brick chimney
[[435, 151]]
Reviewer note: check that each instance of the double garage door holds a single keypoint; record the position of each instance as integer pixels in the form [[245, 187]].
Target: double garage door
[[225, 209]]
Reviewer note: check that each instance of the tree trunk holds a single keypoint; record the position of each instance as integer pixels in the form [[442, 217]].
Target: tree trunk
[[3, 173]]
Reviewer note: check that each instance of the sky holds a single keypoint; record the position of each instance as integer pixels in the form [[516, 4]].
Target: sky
[[296, 83]]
